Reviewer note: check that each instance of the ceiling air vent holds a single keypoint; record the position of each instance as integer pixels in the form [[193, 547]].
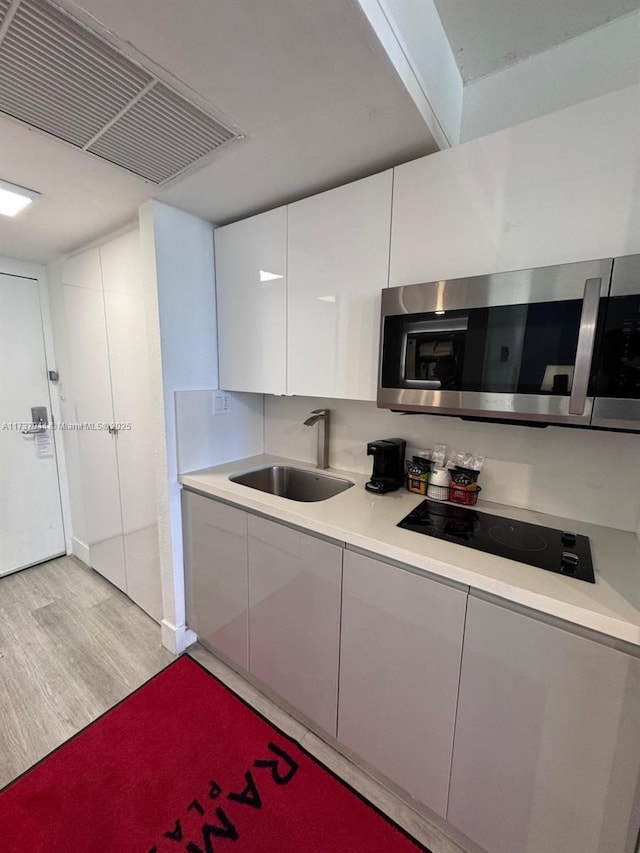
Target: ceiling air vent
[[60, 77]]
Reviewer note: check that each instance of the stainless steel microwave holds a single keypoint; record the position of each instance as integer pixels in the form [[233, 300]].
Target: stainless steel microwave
[[553, 345]]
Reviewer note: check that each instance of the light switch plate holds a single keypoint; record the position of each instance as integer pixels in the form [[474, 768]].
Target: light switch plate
[[221, 402]]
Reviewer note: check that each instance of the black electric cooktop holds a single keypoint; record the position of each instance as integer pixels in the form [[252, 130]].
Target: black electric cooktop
[[554, 550]]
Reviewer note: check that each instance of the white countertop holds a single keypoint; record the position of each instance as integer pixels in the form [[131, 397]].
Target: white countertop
[[611, 606]]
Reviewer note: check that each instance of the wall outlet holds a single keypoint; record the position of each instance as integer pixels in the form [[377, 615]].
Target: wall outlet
[[221, 402]]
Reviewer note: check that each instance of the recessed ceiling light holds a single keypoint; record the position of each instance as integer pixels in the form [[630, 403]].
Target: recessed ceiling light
[[13, 198]]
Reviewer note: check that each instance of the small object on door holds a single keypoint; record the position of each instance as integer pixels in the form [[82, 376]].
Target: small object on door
[[44, 445], [53, 376]]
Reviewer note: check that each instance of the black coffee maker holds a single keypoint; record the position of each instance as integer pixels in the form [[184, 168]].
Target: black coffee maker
[[388, 464]]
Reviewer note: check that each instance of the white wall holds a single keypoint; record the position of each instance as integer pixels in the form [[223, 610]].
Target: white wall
[[586, 475], [594, 64], [178, 268]]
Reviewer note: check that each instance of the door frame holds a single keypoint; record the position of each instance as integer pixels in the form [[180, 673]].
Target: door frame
[[24, 269]]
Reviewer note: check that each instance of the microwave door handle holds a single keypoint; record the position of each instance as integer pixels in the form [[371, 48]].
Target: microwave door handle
[[584, 352]]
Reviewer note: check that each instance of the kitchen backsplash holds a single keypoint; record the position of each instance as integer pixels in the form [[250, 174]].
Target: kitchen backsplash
[[572, 473], [207, 435]]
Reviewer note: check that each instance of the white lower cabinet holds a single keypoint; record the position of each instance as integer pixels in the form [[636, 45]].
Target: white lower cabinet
[[216, 577], [268, 598], [524, 736], [294, 617], [399, 669], [547, 744]]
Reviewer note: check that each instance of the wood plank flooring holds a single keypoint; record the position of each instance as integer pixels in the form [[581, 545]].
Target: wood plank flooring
[[72, 646]]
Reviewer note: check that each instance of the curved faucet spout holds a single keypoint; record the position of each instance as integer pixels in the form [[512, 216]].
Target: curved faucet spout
[[316, 415], [321, 417]]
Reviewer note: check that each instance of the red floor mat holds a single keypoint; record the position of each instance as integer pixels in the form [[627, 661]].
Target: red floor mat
[[183, 764]]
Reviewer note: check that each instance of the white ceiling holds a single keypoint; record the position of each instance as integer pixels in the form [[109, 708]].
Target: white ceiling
[[82, 196], [306, 82], [487, 35]]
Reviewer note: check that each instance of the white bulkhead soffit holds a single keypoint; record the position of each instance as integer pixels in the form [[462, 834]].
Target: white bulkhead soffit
[[60, 77]]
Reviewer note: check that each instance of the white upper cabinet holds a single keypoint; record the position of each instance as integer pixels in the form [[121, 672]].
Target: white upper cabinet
[[251, 288], [338, 258], [553, 190]]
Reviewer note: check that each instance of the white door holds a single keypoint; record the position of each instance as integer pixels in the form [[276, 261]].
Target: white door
[[30, 511]]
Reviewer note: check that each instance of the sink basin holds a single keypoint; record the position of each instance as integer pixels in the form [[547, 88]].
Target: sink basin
[[296, 484]]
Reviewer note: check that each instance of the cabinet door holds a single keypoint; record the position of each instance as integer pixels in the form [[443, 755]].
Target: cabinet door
[[125, 315], [338, 263], [251, 295], [447, 219], [93, 408], [399, 667], [505, 201], [547, 744], [215, 562], [294, 621], [127, 344]]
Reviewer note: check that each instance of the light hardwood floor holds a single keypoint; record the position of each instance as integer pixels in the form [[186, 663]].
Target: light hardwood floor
[[72, 646]]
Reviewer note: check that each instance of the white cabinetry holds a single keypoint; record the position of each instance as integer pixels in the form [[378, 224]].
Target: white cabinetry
[[294, 617], [338, 260], [251, 293], [216, 579], [109, 385], [522, 735], [399, 668], [547, 744], [298, 294], [268, 598], [548, 191]]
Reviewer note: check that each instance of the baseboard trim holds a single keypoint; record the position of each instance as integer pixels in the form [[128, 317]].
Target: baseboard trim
[[81, 550], [177, 638]]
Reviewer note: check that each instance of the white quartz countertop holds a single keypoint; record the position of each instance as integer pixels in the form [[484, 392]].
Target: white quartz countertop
[[611, 606]]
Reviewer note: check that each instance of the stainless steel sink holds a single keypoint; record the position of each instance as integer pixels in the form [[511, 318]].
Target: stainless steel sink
[[296, 484]]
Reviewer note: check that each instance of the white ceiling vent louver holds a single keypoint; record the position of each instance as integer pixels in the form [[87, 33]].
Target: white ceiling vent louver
[[61, 78]]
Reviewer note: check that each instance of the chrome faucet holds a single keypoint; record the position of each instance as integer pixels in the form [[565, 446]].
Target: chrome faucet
[[321, 417]]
